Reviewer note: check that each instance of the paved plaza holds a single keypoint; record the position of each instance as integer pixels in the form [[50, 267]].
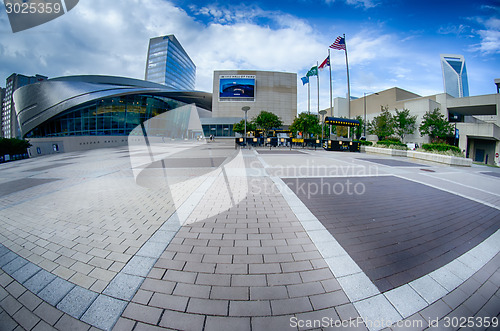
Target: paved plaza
[[208, 237]]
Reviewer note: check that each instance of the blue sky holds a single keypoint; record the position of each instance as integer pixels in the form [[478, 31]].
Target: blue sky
[[390, 43]]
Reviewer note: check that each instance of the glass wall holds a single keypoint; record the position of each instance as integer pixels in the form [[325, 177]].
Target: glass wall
[[111, 116], [168, 64], [218, 130]]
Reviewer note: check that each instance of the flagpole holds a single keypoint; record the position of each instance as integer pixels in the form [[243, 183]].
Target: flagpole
[[317, 77], [348, 85], [308, 97], [331, 92]]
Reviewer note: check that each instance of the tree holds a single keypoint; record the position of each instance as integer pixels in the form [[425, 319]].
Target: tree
[[435, 125], [240, 127], [306, 123], [13, 146], [266, 121], [404, 123], [358, 130], [383, 125]]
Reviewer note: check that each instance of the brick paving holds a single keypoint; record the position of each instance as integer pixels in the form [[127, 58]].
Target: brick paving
[[243, 259], [396, 245], [392, 162]]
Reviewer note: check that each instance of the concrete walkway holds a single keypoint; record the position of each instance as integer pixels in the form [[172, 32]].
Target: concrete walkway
[[217, 238]]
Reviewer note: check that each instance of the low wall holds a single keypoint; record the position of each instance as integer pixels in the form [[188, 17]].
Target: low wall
[[431, 157]]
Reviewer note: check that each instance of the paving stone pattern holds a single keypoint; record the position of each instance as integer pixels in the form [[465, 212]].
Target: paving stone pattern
[[241, 262], [392, 163], [250, 266], [397, 230], [22, 184]]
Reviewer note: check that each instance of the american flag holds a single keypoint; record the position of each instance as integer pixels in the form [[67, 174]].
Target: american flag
[[339, 43]]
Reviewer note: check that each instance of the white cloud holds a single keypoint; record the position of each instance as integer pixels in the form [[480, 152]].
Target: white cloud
[[490, 36], [102, 37], [358, 3]]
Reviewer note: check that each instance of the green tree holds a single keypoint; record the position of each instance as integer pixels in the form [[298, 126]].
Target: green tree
[[266, 121], [13, 146], [382, 125], [307, 124], [240, 127], [404, 123], [358, 130], [435, 125]]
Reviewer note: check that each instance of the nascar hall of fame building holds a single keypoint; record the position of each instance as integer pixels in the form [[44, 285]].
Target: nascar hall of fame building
[[272, 91]]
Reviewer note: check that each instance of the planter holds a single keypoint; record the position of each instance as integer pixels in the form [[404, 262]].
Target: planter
[[386, 151], [445, 159], [431, 157]]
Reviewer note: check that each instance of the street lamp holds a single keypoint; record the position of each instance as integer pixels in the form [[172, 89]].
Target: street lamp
[[245, 109], [364, 119], [322, 112]]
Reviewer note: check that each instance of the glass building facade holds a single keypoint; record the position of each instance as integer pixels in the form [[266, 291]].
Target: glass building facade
[[110, 116], [169, 64], [218, 130], [455, 75]]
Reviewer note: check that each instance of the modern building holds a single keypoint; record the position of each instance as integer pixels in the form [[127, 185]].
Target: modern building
[[2, 96], [476, 118], [84, 112], [272, 91], [454, 75], [169, 64], [10, 126], [497, 83]]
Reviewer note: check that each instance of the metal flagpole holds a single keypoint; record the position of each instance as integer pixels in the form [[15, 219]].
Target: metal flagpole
[[308, 96], [331, 92], [348, 85], [317, 78]]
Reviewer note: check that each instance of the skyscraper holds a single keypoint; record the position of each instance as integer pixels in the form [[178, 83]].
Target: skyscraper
[[10, 126], [455, 75], [169, 64]]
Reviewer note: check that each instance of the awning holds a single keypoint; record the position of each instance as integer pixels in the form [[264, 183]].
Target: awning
[[341, 121]]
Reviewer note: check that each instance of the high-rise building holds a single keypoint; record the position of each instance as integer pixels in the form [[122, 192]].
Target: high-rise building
[[2, 95], [454, 75], [169, 64], [10, 125]]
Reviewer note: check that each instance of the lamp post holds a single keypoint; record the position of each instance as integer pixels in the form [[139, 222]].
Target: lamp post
[[245, 109], [322, 112], [364, 119]]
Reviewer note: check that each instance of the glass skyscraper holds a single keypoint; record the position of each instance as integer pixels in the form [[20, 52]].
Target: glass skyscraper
[[169, 64], [10, 126], [455, 75]]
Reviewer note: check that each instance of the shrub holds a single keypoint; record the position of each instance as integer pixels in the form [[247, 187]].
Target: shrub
[[393, 139], [13, 146], [364, 142], [441, 148], [391, 144]]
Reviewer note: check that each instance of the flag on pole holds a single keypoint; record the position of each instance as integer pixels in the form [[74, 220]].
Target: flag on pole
[[312, 72], [325, 63], [305, 80], [339, 43]]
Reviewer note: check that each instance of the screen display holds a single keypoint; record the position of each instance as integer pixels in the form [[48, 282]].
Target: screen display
[[237, 87]]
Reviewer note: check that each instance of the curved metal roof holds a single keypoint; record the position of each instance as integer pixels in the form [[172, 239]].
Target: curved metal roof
[[36, 103]]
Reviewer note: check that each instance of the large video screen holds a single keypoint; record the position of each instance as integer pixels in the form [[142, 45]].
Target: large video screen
[[237, 86]]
